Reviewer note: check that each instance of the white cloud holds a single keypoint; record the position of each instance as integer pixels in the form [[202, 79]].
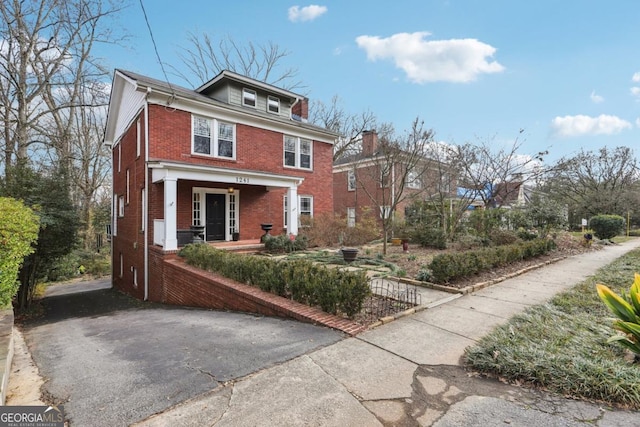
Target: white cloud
[[596, 99], [454, 60], [306, 13], [569, 126], [635, 91], [638, 122], [636, 77]]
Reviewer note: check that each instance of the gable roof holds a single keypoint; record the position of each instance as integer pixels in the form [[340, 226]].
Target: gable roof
[[129, 90], [227, 75]]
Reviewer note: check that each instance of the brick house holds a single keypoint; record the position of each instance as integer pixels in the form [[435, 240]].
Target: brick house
[[365, 182], [228, 157]]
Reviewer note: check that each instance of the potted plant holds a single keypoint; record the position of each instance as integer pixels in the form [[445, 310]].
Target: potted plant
[[349, 254]]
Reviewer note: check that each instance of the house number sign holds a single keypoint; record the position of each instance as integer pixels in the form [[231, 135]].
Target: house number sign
[[242, 180]]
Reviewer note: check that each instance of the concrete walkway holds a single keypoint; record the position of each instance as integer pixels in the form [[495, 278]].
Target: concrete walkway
[[407, 372]]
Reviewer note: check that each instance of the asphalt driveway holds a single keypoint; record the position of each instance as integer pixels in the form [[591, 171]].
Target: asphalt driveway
[[112, 360]]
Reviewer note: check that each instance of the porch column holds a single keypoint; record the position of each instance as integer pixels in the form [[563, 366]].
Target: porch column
[[170, 214], [292, 214]]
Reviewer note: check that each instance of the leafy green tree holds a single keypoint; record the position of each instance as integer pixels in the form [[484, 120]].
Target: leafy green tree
[[49, 192], [18, 231]]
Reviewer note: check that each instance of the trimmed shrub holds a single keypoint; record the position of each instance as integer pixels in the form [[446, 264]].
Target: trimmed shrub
[[445, 267], [429, 237], [607, 226], [334, 290], [283, 243]]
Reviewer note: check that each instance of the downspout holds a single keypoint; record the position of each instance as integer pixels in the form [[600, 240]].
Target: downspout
[[146, 196]]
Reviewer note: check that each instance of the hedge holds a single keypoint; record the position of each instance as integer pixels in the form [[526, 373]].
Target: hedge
[[334, 290], [19, 227], [445, 267]]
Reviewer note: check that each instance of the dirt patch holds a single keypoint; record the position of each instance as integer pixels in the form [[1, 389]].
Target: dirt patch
[[25, 381]]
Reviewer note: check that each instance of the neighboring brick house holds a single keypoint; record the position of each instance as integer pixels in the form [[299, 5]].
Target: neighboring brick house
[[364, 181], [228, 156]]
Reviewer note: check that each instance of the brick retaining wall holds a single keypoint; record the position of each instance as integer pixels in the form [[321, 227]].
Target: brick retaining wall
[[185, 285]]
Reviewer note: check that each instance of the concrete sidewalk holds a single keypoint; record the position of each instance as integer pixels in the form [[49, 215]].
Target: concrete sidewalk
[[407, 372]]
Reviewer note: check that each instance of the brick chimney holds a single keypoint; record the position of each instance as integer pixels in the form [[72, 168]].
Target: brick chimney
[[301, 109], [369, 142]]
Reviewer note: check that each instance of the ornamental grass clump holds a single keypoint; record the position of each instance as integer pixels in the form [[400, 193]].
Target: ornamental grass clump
[[626, 308]]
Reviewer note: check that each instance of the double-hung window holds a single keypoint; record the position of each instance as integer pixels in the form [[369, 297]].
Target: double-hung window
[[351, 180], [413, 180], [273, 104], [298, 152], [212, 137], [249, 98]]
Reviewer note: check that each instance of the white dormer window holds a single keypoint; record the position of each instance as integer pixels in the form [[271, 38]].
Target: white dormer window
[[249, 98], [273, 104]]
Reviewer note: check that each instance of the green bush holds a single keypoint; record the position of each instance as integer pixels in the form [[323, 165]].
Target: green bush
[[429, 237], [283, 243], [19, 227], [334, 290], [607, 226], [445, 267], [500, 237]]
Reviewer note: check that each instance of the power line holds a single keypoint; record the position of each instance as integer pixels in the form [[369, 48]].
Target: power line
[[155, 47]]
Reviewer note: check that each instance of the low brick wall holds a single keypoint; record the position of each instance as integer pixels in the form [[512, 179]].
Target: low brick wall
[[189, 286]]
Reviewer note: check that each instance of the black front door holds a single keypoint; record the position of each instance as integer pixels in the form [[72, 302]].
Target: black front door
[[215, 217]]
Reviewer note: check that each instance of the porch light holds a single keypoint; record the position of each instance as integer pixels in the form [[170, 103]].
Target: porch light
[[230, 190]]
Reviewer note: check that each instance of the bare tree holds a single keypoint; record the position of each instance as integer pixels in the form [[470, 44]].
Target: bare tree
[[485, 166], [350, 127], [601, 182], [398, 164], [45, 57], [204, 57]]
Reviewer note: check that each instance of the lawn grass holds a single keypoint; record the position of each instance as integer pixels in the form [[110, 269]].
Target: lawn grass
[[562, 345]]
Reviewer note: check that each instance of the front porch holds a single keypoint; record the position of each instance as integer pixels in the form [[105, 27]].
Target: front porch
[[227, 203]]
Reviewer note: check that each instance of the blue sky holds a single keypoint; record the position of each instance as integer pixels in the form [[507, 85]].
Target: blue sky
[[567, 72]]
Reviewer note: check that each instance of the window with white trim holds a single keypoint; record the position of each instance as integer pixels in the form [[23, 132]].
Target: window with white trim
[[212, 137], [121, 206], [305, 207], [351, 180], [298, 152], [385, 212], [351, 217], [197, 209], [413, 180], [273, 104], [249, 97]]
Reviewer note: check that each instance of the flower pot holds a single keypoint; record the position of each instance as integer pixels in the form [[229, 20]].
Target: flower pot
[[349, 254], [235, 236]]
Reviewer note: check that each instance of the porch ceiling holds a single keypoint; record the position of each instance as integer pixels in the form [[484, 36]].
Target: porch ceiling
[[161, 171]]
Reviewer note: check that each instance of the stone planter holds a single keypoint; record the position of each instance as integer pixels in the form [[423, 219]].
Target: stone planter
[[349, 254], [266, 227], [197, 231]]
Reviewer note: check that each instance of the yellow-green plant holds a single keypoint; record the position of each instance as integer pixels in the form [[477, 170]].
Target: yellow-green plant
[[626, 307]]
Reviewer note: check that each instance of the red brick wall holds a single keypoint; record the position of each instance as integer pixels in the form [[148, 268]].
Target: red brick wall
[[257, 149], [129, 240], [189, 286]]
